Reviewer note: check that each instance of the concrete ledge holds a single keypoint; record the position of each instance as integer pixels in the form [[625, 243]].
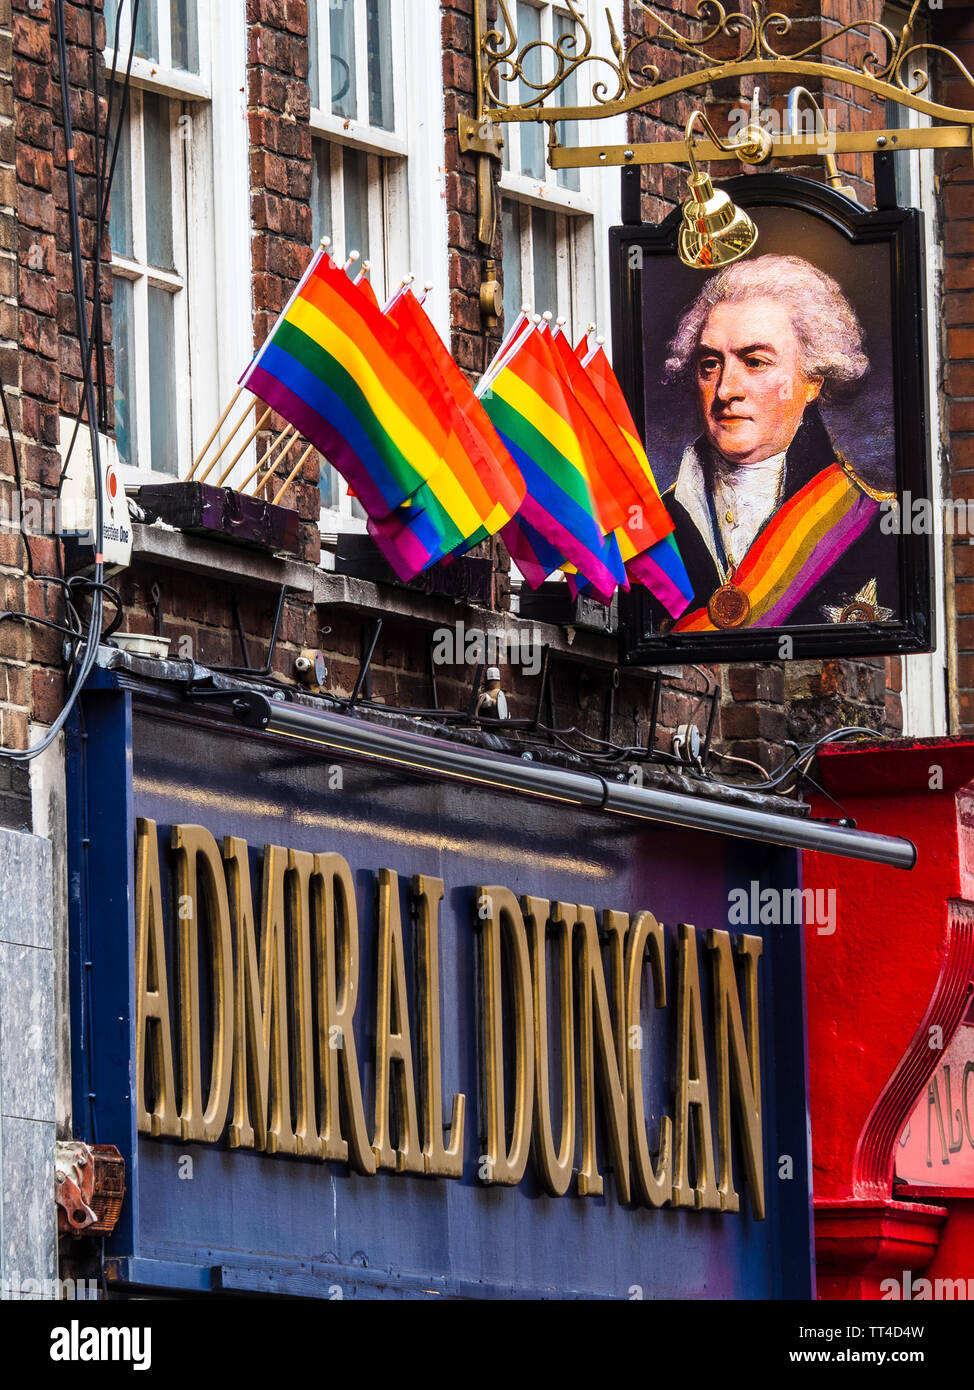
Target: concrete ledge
[[196, 555], [365, 597]]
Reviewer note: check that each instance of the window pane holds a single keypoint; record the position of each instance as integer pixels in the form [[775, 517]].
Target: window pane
[[185, 37], [544, 237], [321, 223], [356, 182], [332, 484], [120, 221], [158, 181], [532, 136], [513, 294], [314, 72], [568, 130], [111, 19], [147, 30], [162, 382], [381, 102], [344, 96], [122, 309]]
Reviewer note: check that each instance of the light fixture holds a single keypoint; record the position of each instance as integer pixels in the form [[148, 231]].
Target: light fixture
[[411, 754], [831, 168], [715, 231]]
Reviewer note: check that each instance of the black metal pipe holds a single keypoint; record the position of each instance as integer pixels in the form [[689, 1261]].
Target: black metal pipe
[[363, 674]]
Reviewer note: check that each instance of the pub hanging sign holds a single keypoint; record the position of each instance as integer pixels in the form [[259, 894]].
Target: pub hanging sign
[[782, 399]]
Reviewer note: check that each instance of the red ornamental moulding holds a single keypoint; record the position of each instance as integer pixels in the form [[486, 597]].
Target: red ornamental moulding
[[860, 1244], [900, 963], [876, 1152]]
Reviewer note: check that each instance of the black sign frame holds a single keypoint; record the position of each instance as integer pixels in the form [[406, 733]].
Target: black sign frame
[[642, 641]]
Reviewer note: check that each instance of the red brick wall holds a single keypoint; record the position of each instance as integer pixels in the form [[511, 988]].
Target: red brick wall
[[956, 29], [762, 705], [49, 359], [279, 104]]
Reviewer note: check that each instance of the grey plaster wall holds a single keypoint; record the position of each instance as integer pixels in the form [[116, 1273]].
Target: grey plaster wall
[[28, 1218]]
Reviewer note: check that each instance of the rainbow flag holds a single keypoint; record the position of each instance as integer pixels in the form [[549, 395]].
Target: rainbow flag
[[531, 405], [647, 541], [337, 369], [476, 466]]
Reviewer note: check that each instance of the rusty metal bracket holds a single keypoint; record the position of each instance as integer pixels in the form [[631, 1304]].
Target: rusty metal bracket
[[89, 1188]]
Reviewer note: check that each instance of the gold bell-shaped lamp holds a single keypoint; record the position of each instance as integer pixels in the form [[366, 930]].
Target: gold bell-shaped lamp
[[715, 231]]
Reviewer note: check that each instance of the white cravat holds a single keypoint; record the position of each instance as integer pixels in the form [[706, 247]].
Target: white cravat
[[745, 495]]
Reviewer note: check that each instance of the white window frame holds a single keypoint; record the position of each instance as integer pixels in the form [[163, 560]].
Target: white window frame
[[585, 216], [407, 213], [575, 260], [213, 253], [143, 277], [925, 677]]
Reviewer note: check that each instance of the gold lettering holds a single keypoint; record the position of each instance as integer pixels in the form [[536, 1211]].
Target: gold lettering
[[502, 919], [281, 1138], [251, 1050], [653, 1183], [393, 1044], [153, 1025], [692, 1089], [199, 867], [596, 1027], [300, 870], [439, 1160], [337, 1059], [968, 1122], [746, 1058], [554, 1165]]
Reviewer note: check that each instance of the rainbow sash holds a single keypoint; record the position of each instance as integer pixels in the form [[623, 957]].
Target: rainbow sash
[[797, 549]]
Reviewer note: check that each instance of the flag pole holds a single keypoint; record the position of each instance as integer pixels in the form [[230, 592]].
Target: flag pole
[[506, 351], [263, 482], [599, 344], [243, 448], [219, 426], [288, 429], [404, 286], [500, 357], [294, 473], [322, 249]]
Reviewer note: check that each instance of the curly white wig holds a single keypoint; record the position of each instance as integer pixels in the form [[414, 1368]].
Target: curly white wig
[[830, 338]]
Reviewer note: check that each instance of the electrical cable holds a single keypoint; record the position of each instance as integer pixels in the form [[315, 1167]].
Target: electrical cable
[[104, 192], [18, 477], [98, 586]]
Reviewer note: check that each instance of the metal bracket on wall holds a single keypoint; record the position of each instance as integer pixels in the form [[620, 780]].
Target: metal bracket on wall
[[247, 669], [628, 80]]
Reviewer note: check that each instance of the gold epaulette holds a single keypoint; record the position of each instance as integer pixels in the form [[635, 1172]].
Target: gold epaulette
[[860, 483]]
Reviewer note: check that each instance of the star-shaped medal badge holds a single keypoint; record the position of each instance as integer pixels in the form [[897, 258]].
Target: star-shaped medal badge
[[864, 608]]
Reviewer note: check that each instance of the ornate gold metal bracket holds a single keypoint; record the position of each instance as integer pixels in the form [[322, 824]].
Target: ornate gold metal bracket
[[623, 83]]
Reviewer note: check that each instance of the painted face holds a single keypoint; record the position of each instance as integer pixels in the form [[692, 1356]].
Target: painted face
[[752, 390]]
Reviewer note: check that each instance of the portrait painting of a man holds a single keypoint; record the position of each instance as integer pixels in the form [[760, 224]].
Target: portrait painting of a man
[[776, 526], [783, 402]]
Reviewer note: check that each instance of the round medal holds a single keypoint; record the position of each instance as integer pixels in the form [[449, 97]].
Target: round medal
[[858, 612], [729, 607]]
